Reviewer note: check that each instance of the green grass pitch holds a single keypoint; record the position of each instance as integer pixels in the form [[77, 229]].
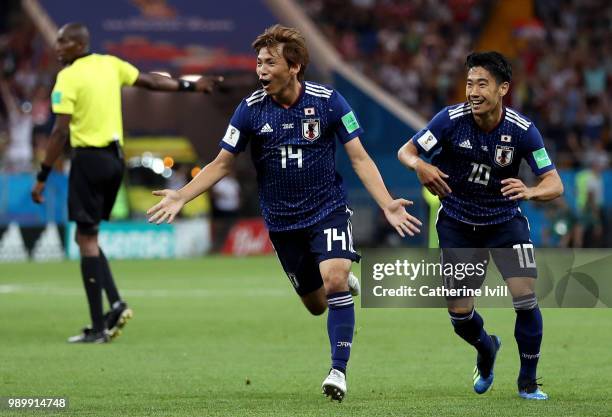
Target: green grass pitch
[[228, 337]]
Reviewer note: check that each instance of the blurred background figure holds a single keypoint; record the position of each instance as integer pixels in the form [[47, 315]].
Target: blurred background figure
[[563, 231], [590, 200], [225, 208], [18, 152]]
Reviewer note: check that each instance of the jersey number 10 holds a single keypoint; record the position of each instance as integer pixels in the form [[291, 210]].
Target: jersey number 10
[[480, 174], [287, 152]]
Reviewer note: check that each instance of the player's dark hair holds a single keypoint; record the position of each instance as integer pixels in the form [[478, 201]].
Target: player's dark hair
[[492, 61], [294, 46]]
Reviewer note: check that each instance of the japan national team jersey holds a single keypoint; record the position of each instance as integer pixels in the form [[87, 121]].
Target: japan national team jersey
[[293, 151], [476, 162]]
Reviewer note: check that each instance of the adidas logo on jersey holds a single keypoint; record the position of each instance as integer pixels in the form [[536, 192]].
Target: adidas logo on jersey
[[266, 129], [466, 144]]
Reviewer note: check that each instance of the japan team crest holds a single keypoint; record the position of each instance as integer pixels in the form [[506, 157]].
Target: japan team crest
[[311, 129], [503, 155]]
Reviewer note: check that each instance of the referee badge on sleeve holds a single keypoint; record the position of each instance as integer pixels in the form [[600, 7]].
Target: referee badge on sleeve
[[311, 129]]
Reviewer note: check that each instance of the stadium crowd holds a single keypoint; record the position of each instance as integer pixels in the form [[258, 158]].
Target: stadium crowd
[[27, 72], [416, 50], [562, 77]]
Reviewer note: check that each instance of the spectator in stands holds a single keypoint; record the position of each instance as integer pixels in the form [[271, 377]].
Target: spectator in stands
[[225, 208], [18, 153], [590, 200], [563, 230]]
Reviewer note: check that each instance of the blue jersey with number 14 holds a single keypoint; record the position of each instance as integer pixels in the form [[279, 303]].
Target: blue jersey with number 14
[[477, 161], [293, 150]]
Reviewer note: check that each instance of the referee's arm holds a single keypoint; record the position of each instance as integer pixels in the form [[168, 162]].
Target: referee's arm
[[57, 141], [158, 82]]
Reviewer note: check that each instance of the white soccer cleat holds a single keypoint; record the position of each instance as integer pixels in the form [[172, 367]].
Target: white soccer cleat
[[354, 286], [334, 385]]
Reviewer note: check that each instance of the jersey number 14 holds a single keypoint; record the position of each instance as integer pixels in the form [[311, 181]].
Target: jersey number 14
[[287, 152]]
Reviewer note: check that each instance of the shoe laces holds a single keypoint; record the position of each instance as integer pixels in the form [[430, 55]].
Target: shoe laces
[[532, 385]]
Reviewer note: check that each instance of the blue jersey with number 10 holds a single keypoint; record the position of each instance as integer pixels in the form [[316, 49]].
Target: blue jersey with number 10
[[476, 161], [293, 150]]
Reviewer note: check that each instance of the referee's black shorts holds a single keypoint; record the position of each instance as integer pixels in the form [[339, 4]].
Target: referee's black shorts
[[94, 181]]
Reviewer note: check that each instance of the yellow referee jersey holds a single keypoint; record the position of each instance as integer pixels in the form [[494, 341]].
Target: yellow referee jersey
[[90, 90]]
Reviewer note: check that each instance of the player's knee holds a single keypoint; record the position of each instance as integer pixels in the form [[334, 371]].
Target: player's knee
[[461, 306], [460, 310], [87, 239], [336, 280], [525, 302], [85, 230]]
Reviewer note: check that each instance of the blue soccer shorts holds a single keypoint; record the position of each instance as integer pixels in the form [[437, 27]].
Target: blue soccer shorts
[[301, 251], [508, 243]]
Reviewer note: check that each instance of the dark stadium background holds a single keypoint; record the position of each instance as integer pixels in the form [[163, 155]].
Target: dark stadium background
[[396, 62]]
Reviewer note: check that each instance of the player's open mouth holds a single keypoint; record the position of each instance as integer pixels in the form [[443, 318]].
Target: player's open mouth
[[477, 102], [265, 83]]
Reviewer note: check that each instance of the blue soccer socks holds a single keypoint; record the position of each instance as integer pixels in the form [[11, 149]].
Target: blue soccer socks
[[528, 331], [340, 326], [470, 327]]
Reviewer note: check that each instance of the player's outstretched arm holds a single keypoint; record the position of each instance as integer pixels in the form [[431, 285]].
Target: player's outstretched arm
[[174, 200], [549, 187], [430, 176], [394, 210], [158, 82]]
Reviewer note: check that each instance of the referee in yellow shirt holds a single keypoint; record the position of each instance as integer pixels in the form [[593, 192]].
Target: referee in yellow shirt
[[87, 102]]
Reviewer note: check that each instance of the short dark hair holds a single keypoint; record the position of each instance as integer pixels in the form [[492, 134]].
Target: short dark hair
[[78, 32], [294, 45], [492, 61]]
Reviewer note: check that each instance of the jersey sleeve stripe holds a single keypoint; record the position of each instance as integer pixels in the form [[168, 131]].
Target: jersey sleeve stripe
[[318, 91], [517, 123], [457, 115], [515, 114], [250, 103], [318, 87], [521, 121], [459, 109], [256, 95], [312, 93]]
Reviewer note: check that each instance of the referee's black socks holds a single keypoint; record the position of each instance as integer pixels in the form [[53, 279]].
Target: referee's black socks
[[92, 273], [108, 283]]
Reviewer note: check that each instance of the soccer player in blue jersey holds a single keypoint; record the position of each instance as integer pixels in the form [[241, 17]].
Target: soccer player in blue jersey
[[476, 148], [292, 126]]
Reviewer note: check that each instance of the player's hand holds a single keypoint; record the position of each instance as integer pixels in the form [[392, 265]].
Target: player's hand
[[167, 209], [433, 179], [206, 84], [515, 189], [400, 219], [37, 192]]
